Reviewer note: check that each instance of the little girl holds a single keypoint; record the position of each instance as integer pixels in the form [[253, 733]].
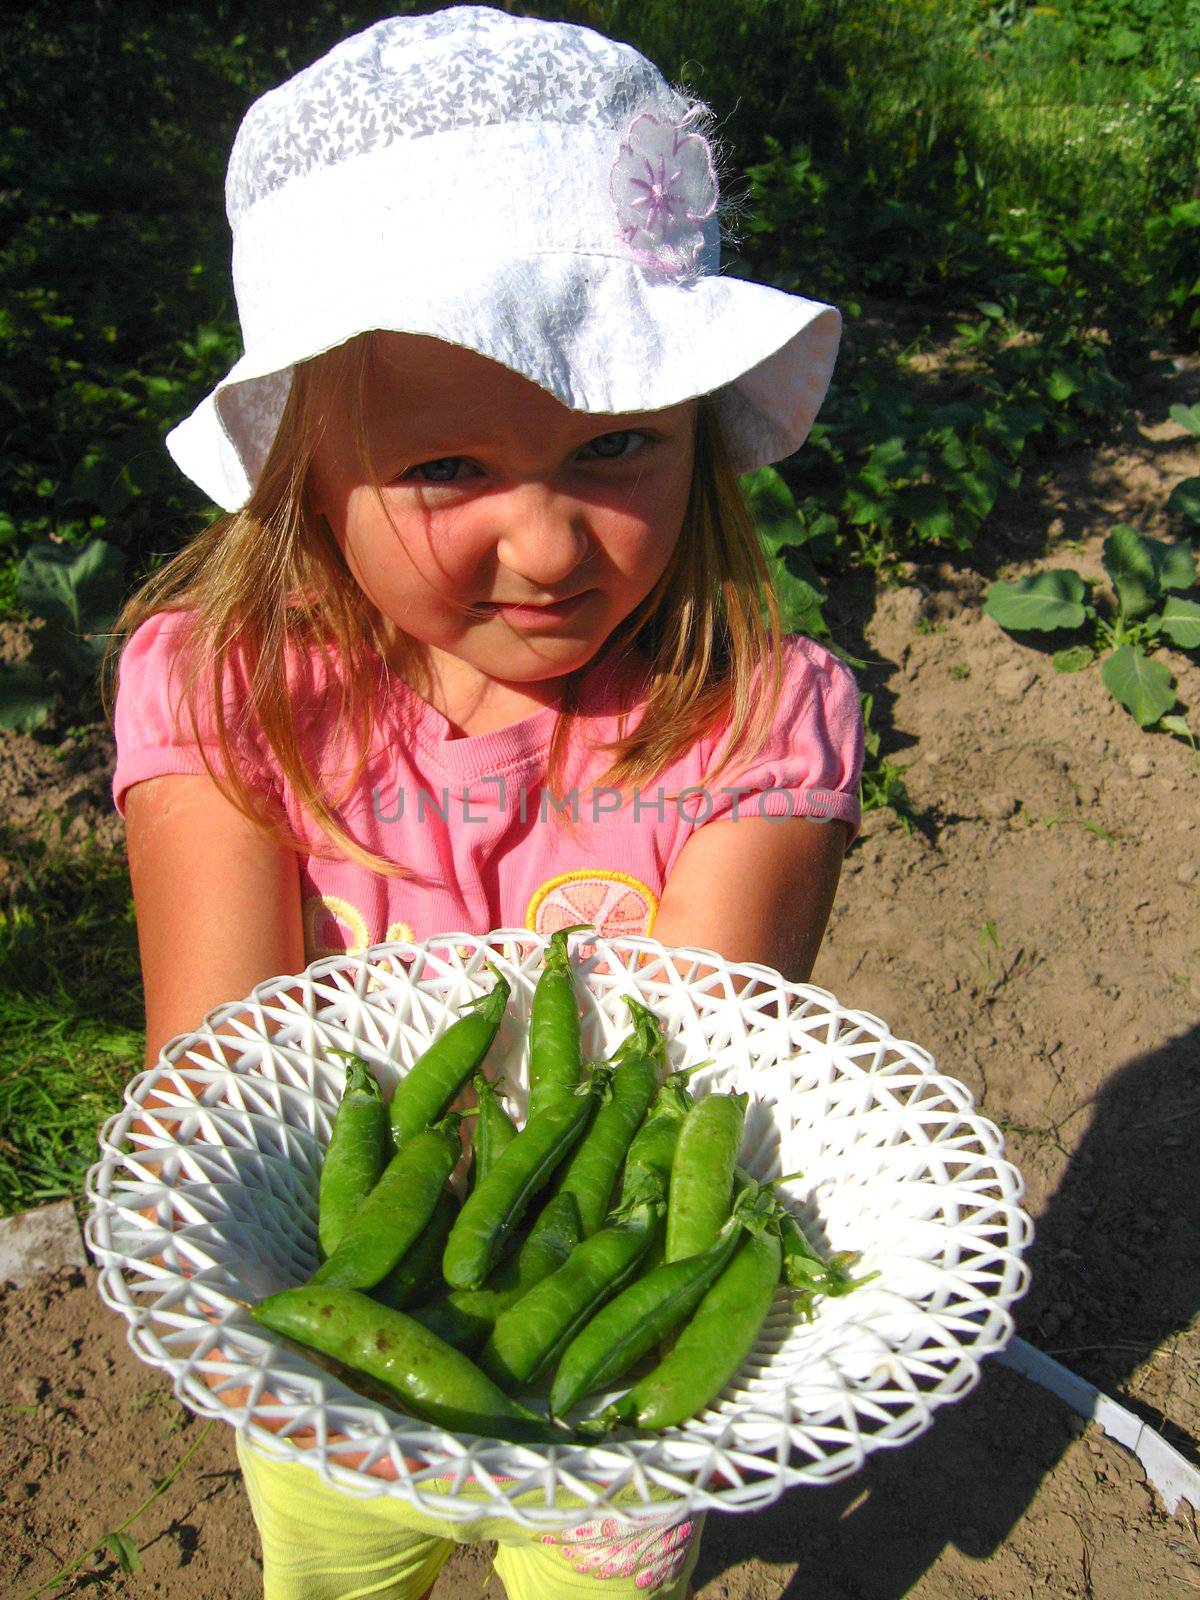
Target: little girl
[[481, 639]]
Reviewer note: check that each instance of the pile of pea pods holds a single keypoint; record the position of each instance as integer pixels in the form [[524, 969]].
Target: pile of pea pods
[[611, 1245]]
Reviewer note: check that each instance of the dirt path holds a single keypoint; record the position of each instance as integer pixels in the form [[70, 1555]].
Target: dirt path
[[1038, 932]]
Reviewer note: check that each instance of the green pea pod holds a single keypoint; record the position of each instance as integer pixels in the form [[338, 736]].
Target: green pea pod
[[631, 1325], [555, 1043], [713, 1345], [527, 1338], [494, 1129], [556, 1231], [702, 1173], [437, 1075], [356, 1154], [429, 1379], [495, 1208], [466, 1317], [593, 1166], [654, 1256], [648, 1164], [418, 1273], [391, 1218]]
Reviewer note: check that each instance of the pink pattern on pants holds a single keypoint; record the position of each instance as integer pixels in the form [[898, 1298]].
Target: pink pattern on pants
[[609, 1549]]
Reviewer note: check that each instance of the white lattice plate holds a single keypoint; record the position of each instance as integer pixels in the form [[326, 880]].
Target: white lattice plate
[[206, 1198]]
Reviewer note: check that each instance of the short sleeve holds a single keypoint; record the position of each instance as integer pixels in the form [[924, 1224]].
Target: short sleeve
[[812, 759], [154, 731]]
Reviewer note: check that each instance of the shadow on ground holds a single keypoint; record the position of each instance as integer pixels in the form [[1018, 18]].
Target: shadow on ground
[[1116, 1271]]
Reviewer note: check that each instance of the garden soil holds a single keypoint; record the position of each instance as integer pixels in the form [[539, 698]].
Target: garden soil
[[1037, 931]]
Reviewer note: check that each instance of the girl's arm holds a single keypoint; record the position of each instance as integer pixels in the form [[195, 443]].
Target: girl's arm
[[755, 890], [217, 902]]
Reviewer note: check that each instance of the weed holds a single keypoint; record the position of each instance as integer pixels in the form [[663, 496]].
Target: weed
[[882, 781], [997, 970], [159, 1400], [123, 1549], [1079, 822], [1011, 1128]]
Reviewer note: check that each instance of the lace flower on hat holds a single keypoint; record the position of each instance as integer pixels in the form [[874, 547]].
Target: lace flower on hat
[[664, 186]]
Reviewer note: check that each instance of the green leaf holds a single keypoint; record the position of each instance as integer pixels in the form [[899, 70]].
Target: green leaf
[[780, 522], [1129, 560], [98, 481], [1180, 621], [978, 490], [1015, 423], [768, 496], [25, 700], [1123, 44], [1144, 687], [125, 1552], [1185, 499], [1175, 563], [895, 458], [73, 586], [1045, 602], [1073, 659], [1141, 568], [76, 656], [1187, 417], [926, 507], [1060, 385], [951, 448], [800, 602], [866, 510]]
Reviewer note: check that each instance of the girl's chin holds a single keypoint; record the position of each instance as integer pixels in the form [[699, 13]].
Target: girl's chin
[[492, 649]]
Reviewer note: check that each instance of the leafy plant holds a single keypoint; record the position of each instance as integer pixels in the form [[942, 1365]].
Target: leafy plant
[[75, 592], [882, 781], [1146, 604], [989, 941], [1185, 497], [117, 1541], [785, 536]]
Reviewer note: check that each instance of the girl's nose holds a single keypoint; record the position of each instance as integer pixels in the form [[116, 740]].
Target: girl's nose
[[544, 535]]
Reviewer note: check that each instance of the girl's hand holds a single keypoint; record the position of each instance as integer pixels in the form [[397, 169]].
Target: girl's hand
[[755, 890], [218, 911]]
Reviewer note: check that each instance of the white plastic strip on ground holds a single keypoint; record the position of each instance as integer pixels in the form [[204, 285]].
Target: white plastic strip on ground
[[1172, 1475]]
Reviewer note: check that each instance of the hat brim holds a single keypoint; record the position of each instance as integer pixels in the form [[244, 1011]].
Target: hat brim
[[599, 333]]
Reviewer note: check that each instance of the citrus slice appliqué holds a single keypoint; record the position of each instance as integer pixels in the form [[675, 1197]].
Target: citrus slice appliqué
[[615, 903], [333, 927]]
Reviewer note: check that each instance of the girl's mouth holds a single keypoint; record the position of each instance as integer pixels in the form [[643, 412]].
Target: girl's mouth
[[535, 616]]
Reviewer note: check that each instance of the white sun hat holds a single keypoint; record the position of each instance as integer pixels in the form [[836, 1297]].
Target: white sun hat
[[530, 190]]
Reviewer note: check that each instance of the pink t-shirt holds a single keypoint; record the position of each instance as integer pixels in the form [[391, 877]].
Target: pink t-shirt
[[471, 817]]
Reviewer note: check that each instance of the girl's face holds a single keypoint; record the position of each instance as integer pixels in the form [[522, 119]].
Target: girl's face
[[503, 534]]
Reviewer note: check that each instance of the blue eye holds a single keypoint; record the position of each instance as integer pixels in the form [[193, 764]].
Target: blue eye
[[444, 470], [612, 446]]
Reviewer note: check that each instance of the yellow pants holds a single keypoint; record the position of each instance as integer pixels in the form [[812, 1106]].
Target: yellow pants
[[320, 1544]]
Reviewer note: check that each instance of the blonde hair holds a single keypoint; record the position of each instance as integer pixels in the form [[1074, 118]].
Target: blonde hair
[[268, 587]]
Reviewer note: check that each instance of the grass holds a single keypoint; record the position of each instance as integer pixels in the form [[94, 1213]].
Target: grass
[[70, 1013], [1060, 123]]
